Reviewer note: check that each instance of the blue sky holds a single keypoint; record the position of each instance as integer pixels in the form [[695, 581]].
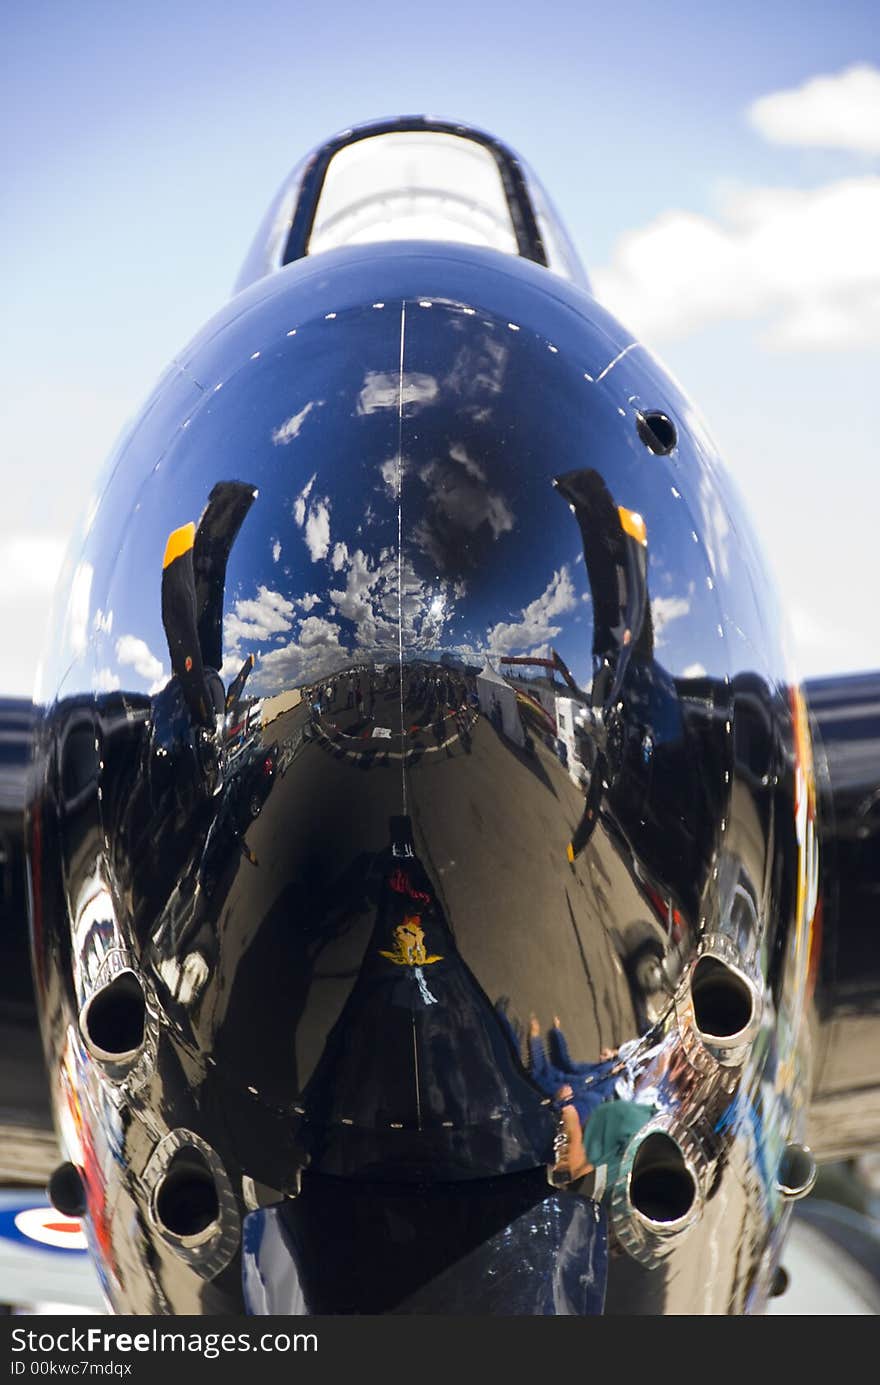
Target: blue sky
[[144, 144]]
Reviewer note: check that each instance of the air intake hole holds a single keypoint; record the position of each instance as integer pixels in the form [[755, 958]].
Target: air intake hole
[[114, 1018], [723, 1001], [797, 1171], [66, 1191], [186, 1199], [661, 1187], [657, 432]]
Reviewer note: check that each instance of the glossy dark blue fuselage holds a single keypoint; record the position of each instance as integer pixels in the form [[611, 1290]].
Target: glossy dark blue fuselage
[[345, 897]]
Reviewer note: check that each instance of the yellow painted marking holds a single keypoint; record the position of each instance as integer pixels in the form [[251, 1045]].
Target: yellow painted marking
[[179, 542], [409, 948], [632, 523]]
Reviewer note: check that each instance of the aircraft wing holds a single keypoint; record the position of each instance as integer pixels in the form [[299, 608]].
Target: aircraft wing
[[845, 1110], [28, 1150], [44, 1264]]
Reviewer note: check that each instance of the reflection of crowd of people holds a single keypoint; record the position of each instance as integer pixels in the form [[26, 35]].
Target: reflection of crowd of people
[[433, 695]]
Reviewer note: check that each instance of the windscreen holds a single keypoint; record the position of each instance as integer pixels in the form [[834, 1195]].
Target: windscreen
[[419, 185]]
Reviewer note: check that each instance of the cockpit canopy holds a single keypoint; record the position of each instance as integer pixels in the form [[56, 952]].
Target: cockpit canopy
[[412, 178], [413, 185]]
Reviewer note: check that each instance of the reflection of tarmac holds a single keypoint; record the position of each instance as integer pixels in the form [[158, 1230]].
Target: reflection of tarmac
[[495, 825], [491, 827], [362, 742]]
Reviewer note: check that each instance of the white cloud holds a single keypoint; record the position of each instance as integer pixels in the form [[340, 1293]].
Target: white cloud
[[136, 653], [29, 568], [667, 608], [694, 671], [381, 596], [385, 390], [276, 550], [316, 653], [317, 535], [392, 473], [355, 602], [804, 258], [76, 425], [306, 602], [478, 371], [340, 557], [827, 112], [318, 530], [458, 453], [231, 667], [77, 621], [459, 501], [105, 680], [299, 505], [29, 563], [824, 643], [316, 632], [535, 627], [269, 613], [24, 630], [290, 429]]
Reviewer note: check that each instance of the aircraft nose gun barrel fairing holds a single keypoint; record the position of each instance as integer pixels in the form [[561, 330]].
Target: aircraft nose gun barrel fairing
[[429, 842]]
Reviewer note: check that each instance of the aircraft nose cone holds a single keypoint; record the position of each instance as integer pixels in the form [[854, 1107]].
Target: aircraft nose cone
[[402, 734]]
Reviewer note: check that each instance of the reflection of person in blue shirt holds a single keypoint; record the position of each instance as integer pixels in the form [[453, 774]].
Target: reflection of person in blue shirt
[[583, 1085]]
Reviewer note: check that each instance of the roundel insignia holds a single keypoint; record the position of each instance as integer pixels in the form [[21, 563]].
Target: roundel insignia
[[50, 1228]]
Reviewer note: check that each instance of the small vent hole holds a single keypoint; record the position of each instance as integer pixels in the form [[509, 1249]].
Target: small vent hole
[[657, 432]]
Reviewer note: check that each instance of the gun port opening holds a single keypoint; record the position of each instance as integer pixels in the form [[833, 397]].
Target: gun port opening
[[781, 1281], [113, 1021], [66, 1191], [723, 1000], [657, 432], [662, 1187], [186, 1200]]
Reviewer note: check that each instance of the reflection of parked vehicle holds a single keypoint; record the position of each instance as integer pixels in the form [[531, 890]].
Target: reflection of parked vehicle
[[251, 773], [259, 778]]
